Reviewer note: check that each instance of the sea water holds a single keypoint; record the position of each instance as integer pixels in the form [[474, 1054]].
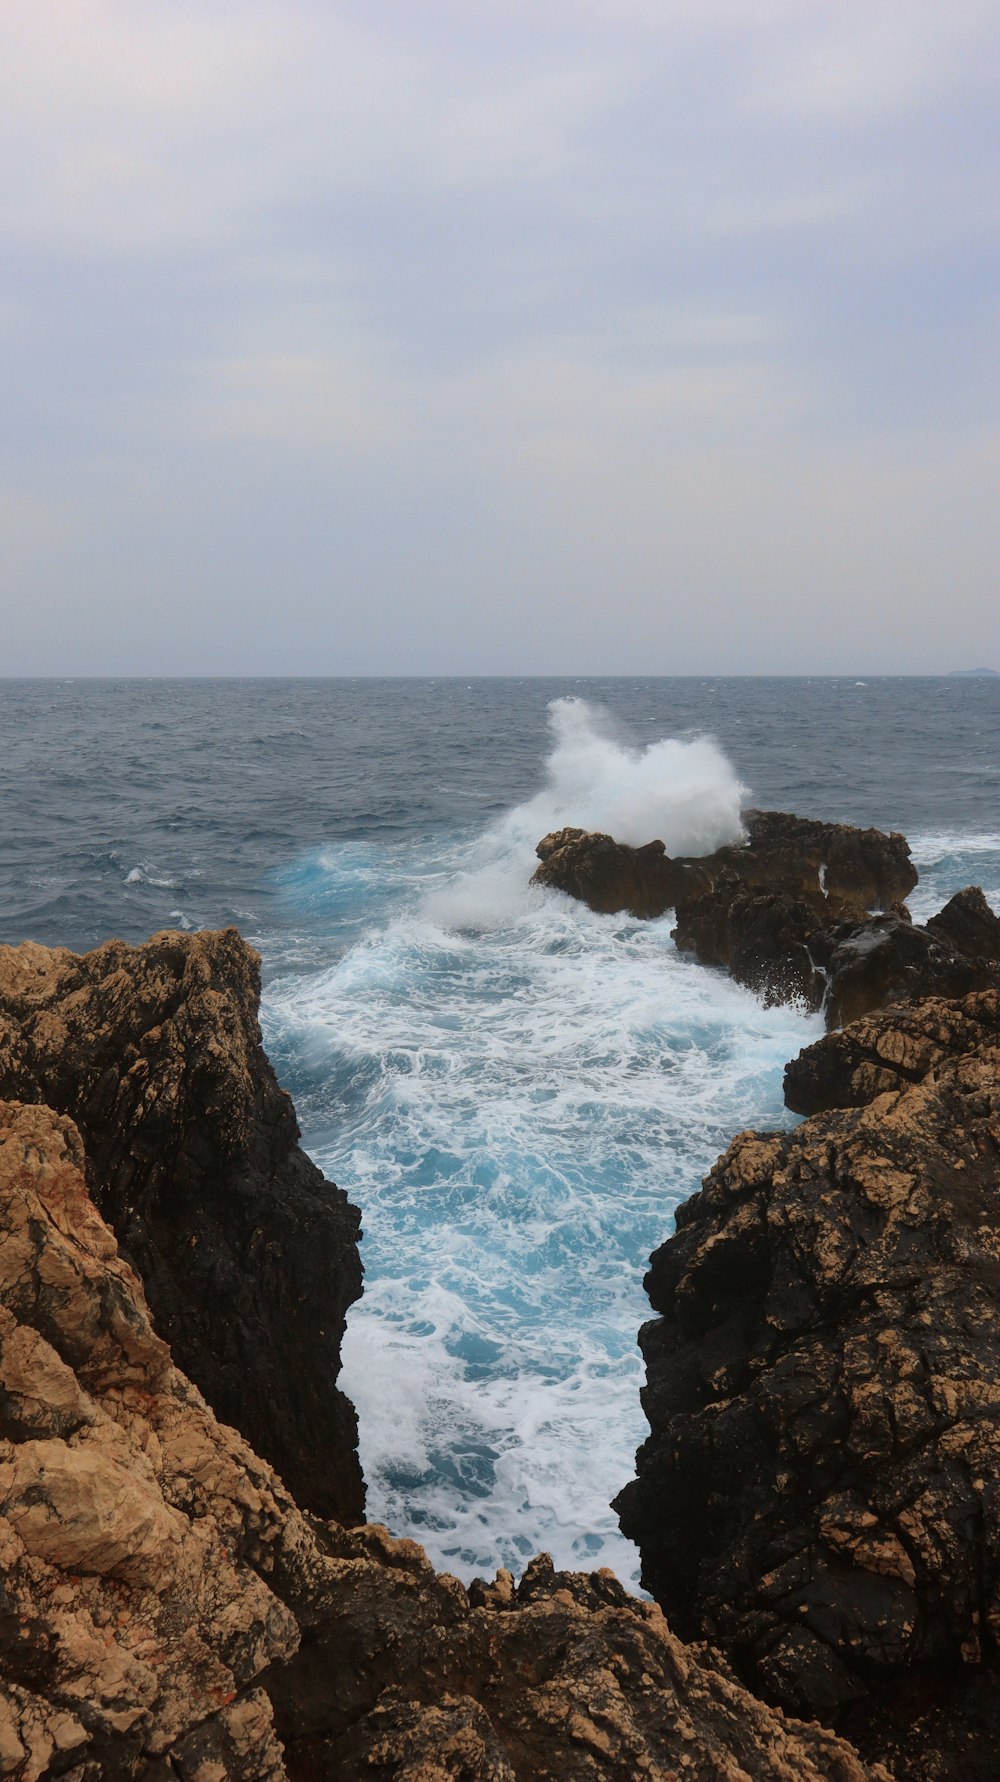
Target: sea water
[[515, 1091]]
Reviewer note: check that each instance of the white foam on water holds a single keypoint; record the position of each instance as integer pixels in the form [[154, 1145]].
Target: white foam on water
[[144, 874], [517, 1092], [683, 792], [517, 1112], [947, 861]]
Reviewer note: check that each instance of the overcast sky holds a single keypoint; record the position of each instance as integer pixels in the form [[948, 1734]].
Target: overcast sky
[[499, 336]]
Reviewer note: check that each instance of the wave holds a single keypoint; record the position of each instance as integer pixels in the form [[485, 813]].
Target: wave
[[517, 1092], [684, 793]]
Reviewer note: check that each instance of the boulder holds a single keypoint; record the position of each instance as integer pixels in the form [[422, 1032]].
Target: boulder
[[248, 1256], [968, 925], [774, 943], [169, 1614], [833, 867], [761, 937], [820, 1490]]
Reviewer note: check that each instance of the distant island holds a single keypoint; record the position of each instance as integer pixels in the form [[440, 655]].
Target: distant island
[[965, 674]]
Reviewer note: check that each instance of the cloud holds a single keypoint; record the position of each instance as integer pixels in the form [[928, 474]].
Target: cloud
[[694, 302]]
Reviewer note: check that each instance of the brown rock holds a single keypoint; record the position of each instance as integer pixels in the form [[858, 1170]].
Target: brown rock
[[609, 876], [968, 924], [128, 1615], [887, 1050], [762, 938], [820, 1491], [832, 868], [248, 1256], [886, 959], [167, 1612]]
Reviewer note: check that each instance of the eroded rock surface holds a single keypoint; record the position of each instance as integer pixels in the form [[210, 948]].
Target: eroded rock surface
[[168, 1613], [888, 1050], [248, 1256], [890, 959], [820, 1491]]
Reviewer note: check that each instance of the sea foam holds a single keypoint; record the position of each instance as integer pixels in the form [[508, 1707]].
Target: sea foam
[[518, 1092]]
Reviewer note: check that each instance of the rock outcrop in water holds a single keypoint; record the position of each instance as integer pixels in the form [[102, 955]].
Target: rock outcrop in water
[[248, 1256], [609, 876], [772, 943], [168, 1614], [832, 868], [788, 912], [820, 1490]]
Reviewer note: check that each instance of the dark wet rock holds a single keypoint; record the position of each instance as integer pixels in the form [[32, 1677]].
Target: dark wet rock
[[249, 1258], [887, 1050], [774, 943], [887, 959], [611, 877], [820, 1490], [762, 938], [968, 924], [831, 867]]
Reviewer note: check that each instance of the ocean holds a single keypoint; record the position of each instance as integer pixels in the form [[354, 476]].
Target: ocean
[[516, 1092]]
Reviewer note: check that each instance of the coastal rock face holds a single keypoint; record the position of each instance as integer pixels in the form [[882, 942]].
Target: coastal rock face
[[130, 1621], [832, 868], [167, 1613], [773, 942], [820, 1491], [888, 959], [969, 925], [888, 1050], [248, 1256], [762, 938]]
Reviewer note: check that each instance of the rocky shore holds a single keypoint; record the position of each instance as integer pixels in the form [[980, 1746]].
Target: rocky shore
[[187, 1588], [819, 1495], [799, 911], [168, 1610]]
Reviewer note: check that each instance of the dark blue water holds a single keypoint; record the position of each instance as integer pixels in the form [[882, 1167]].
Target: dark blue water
[[515, 1091]]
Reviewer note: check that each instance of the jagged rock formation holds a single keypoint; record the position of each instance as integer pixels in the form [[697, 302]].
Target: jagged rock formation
[[248, 1256], [764, 939], [773, 943], [833, 868], [968, 924], [787, 913], [888, 1050], [820, 1491], [890, 959], [168, 1614]]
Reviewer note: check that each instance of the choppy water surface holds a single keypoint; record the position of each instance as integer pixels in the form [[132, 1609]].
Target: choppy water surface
[[515, 1091]]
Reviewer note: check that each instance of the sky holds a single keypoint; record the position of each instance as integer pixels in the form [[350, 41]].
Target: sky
[[499, 336]]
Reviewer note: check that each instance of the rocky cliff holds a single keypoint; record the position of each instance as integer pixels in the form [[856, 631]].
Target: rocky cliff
[[820, 1490], [168, 1613], [248, 1257]]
